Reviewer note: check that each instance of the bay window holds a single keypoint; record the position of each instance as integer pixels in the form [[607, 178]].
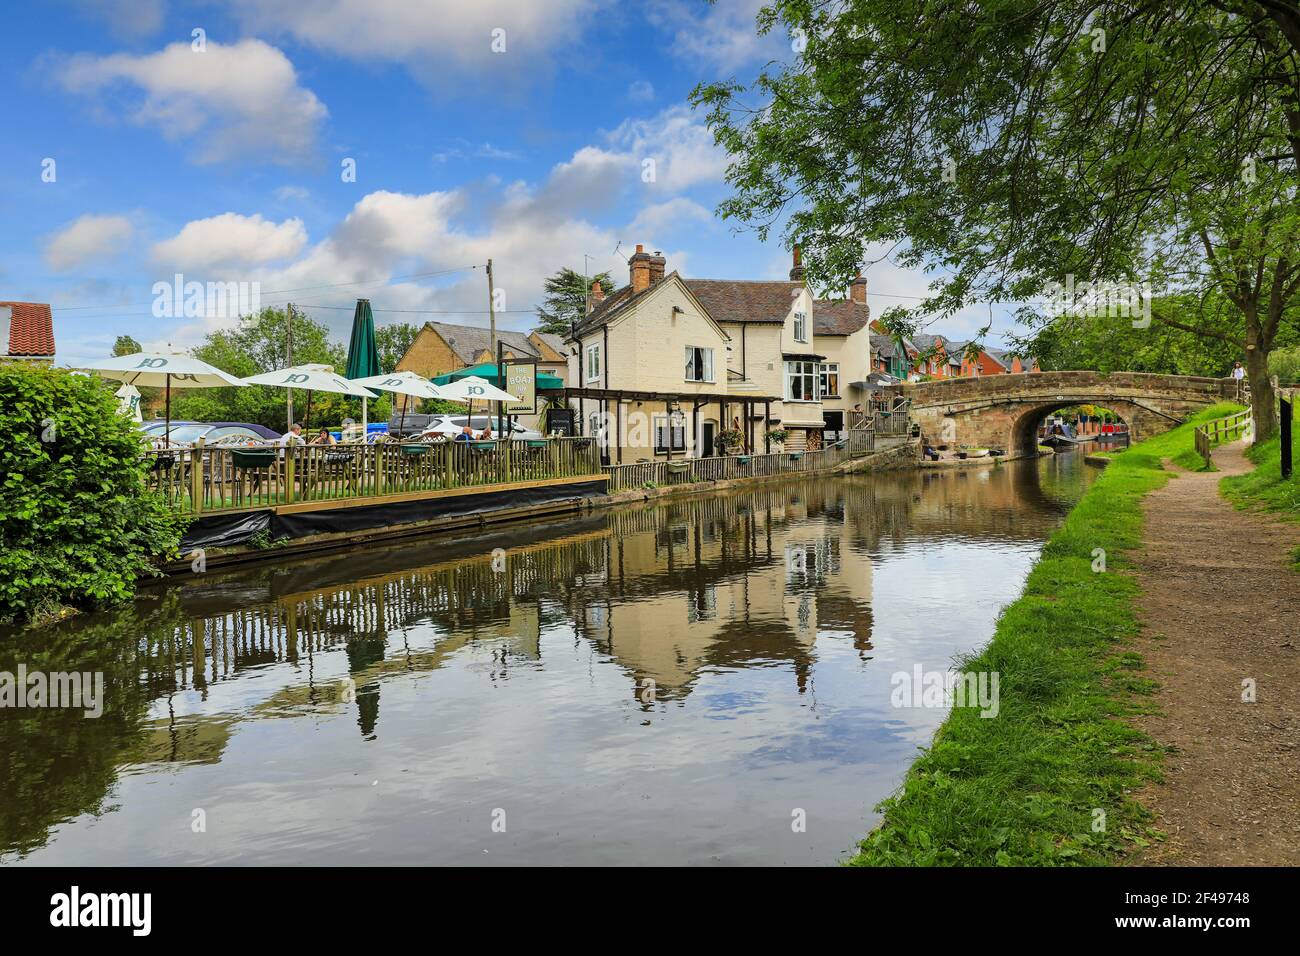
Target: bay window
[[801, 381]]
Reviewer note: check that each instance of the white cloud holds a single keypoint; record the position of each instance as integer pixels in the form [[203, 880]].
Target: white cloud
[[661, 217], [463, 149], [127, 18], [681, 145], [641, 90], [429, 36], [723, 35], [288, 193], [231, 240], [90, 237], [238, 102]]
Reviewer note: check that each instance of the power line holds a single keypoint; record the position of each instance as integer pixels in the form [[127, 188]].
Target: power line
[[334, 285]]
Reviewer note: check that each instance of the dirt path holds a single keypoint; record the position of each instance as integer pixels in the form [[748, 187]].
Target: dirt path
[[1220, 603]]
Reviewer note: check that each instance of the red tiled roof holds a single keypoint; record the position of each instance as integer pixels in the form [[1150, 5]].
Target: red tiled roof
[[31, 329], [745, 300], [839, 316]]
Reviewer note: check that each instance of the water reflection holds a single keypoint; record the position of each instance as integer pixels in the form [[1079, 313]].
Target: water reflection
[[659, 683]]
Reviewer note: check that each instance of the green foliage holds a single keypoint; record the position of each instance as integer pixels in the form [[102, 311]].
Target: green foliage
[[1113, 345], [257, 345], [1285, 365], [392, 341], [77, 525], [1019, 789], [125, 345], [1264, 488], [566, 299], [1026, 142]]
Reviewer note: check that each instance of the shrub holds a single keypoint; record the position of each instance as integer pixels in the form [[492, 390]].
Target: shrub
[[77, 523], [1285, 364]]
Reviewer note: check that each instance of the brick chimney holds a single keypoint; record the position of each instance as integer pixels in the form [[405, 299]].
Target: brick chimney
[[639, 270], [657, 265], [796, 272], [858, 289], [597, 296]]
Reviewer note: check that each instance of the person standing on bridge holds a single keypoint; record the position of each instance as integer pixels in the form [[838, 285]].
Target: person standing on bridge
[[1238, 374]]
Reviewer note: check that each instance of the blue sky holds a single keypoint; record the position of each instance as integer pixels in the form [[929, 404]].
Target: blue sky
[[513, 130]]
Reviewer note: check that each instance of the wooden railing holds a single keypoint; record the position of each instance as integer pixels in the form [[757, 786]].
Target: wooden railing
[[226, 478], [884, 420], [862, 441], [689, 470], [1220, 430]]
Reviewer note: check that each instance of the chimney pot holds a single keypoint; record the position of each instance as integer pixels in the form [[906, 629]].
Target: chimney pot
[[597, 296], [639, 270], [858, 289], [797, 271], [657, 266]]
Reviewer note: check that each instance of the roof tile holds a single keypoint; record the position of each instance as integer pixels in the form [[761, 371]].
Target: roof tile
[[31, 329]]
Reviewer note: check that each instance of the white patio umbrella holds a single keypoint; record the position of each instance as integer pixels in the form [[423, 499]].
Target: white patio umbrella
[[166, 370], [402, 383], [313, 378], [470, 387]]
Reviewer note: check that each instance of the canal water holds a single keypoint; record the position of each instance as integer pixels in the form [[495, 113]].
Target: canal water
[[698, 681]]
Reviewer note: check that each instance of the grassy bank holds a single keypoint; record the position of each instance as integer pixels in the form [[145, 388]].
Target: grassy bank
[[1264, 488], [1023, 788]]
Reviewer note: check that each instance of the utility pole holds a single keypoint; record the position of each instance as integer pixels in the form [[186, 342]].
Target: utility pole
[[288, 357], [492, 313]]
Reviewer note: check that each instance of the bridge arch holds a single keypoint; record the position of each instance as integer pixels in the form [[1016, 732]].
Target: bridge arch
[[1001, 411]]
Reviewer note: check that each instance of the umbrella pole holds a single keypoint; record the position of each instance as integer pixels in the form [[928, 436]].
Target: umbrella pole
[[365, 417], [167, 429], [307, 414], [401, 429]]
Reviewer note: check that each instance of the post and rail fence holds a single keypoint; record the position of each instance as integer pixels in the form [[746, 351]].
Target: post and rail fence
[[1221, 430], [216, 478], [206, 479]]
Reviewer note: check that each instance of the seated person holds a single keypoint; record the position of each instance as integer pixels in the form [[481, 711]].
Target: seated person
[[466, 434], [323, 437]]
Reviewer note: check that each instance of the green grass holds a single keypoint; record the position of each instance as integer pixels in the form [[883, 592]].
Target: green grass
[[1264, 488], [1022, 788]]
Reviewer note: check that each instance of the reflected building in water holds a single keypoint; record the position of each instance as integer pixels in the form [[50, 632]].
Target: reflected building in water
[[668, 592]]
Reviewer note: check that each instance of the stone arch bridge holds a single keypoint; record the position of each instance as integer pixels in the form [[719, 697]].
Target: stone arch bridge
[[1003, 411]]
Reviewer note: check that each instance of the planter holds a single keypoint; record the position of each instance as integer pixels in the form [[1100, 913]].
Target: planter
[[742, 459], [961, 454], [796, 455], [535, 443], [414, 451], [679, 467]]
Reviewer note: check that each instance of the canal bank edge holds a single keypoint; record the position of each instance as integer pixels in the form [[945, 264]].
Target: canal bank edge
[[268, 547], [1048, 781]]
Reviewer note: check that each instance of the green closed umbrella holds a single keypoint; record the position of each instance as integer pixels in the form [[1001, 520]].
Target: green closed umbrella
[[363, 354]]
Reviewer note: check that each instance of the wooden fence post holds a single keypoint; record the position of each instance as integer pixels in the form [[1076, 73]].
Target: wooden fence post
[[290, 461], [196, 476], [1284, 434]]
